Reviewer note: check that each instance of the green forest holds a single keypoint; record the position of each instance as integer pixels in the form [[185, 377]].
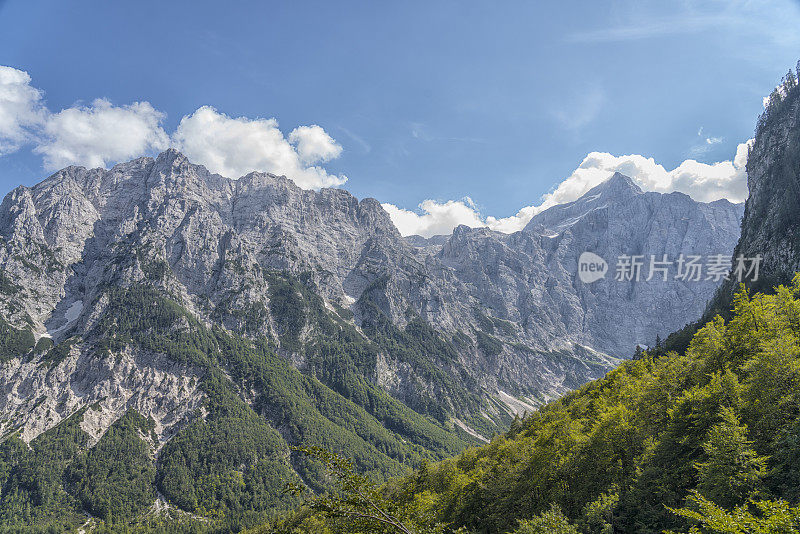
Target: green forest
[[700, 434]]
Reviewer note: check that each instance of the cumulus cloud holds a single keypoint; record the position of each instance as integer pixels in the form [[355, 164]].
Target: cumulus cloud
[[314, 145], [437, 218], [702, 181], [101, 134], [98, 134], [234, 147], [21, 109]]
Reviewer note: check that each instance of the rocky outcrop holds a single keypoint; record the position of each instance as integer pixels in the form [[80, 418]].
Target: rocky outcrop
[[771, 223], [36, 394]]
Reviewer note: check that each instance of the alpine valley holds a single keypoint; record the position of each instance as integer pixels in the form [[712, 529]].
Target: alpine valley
[[168, 333]]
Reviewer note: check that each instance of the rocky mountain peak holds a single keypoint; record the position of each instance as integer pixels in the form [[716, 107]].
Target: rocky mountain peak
[[617, 184]]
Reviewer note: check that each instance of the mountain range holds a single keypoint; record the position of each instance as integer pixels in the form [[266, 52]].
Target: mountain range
[[211, 323]]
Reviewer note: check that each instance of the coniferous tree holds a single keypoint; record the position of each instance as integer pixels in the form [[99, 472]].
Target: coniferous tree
[[790, 81]]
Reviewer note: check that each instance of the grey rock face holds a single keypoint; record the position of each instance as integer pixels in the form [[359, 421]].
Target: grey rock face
[[36, 396], [614, 219], [771, 223], [530, 277], [512, 305]]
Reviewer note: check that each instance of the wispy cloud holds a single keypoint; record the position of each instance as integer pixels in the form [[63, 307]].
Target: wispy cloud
[[774, 21], [360, 141], [644, 29], [579, 109], [704, 143]]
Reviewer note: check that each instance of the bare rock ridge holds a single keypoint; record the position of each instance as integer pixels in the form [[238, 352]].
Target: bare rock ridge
[[509, 309]]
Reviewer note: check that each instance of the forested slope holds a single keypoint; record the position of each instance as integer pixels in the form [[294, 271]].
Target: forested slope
[[230, 463], [615, 455]]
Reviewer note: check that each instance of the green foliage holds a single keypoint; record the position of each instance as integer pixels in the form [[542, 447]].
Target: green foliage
[[310, 412], [489, 324], [431, 357], [158, 523], [14, 343], [154, 268], [7, 287], [344, 313], [551, 521], [56, 353], [355, 504], [754, 517], [142, 316], [341, 357], [288, 306], [43, 345], [489, 345], [732, 471], [33, 494], [599, 513], [231, 464], [781, 98]]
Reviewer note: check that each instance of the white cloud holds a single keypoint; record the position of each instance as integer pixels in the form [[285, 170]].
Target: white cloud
[[516, 222], [99, 134], [21, 109], [645, 29], [314, 145], [438, 218], [234, 147], [703, 182], [704, 143], [767, 24]]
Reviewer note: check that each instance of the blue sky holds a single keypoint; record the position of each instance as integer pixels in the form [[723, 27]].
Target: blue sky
[[439, 100]]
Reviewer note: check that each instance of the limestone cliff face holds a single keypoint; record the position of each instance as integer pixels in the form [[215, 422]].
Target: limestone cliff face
[[618, 219], [510, 307], [771, 223], [530, 277]]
